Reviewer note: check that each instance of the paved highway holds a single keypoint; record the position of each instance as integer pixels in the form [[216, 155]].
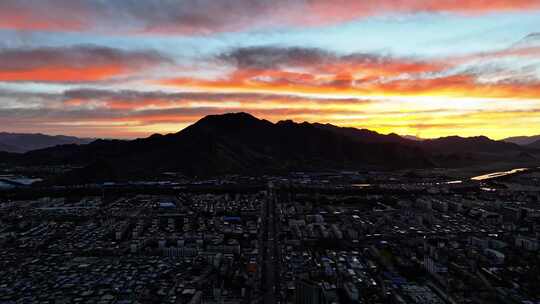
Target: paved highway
[[270, 261]]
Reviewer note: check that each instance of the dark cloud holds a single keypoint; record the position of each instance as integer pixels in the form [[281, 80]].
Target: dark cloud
[[142, 96], [209, 16], [190, 16], [270, 57], [277, 57], [76, 56], [150, 116]]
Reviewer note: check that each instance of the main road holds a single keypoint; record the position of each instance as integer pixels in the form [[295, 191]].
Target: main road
[[269, 251]]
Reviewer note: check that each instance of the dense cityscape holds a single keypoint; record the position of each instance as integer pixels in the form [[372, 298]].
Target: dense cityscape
[[304, 238], [270, 151]]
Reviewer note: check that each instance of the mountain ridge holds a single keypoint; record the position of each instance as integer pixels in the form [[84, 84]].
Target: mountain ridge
[[522, 140], [239, 143], [24, 142], [535, 144]]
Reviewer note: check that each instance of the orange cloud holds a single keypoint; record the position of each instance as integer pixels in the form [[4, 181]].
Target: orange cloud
[[64, 74], [453, 86], [457, 86], [153, 101], [345, 10], [137, 113], [26, 19], [74, 64], [304, 70]]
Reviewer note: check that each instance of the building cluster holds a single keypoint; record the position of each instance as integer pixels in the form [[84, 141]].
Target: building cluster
[[284, 244]]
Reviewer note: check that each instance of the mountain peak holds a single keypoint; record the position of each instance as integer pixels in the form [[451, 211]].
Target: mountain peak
[[289, 122], [237, 116], [238, 143], [229, 122]]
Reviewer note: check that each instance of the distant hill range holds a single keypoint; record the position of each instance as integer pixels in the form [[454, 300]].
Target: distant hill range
[[243, 144], [412, 137], [524, 140], [21, 142], [534, 145]]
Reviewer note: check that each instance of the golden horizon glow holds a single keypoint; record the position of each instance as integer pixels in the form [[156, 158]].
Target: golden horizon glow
[[129, 69]]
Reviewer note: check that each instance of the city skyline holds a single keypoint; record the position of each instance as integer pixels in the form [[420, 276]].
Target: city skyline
[[127, 69]]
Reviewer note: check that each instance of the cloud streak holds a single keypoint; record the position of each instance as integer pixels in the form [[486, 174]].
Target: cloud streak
[[125, 113], [307, 70], [74, 64], [121, 87], [209, 16]]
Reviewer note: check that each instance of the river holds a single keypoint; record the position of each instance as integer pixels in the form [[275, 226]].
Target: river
[[498, 174]]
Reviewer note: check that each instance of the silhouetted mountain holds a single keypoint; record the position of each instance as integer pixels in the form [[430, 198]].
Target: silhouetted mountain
[[412, 137], [456, 152], [363, 135], [534, 145], [522, 140], [8, 148], [526, 156], [241, 143], [20, 142], [468, 144]]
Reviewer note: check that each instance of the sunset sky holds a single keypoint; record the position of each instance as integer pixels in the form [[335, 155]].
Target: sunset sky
[[130, 68]]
